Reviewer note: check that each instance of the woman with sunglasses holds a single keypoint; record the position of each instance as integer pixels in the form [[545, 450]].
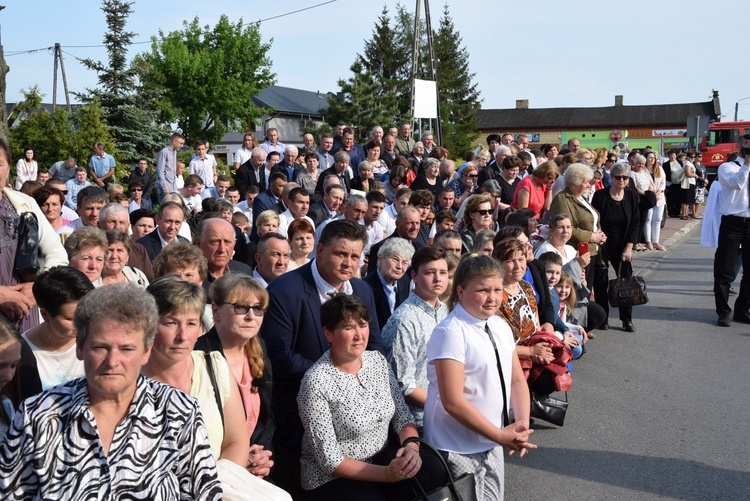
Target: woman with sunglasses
[[620, 220], [136, 200], [477, 217]]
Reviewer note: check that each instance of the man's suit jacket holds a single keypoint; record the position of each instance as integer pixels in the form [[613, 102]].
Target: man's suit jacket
[[382, 308], [264, 201], [152, 243], [295, 340], [318, 213], [245, 177]]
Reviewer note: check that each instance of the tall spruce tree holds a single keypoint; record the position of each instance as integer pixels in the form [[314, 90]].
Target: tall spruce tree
[[458, 94], [131, 116], [360, 105]]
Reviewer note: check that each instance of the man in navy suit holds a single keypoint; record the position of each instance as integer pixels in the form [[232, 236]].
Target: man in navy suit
[[269, 199], [390, 283], [294, 336], [169, 221], [252, 172]]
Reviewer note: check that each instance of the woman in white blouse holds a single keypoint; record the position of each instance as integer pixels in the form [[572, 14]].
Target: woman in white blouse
[[348, 400], [26, 168], [470, 355]]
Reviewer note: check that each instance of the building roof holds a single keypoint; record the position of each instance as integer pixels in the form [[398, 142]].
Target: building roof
[[295, 101], [595, 118]]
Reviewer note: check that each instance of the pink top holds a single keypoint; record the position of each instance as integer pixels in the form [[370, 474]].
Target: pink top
[[537, 194], [250, 399]]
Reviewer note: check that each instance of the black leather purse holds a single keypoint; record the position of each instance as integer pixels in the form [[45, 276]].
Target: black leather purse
[[27, 251], [462, 488], [548, 408], [629, 291]]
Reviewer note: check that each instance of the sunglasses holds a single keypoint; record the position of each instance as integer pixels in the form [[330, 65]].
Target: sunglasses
[[484, 212], [472, 176], [621, 178], [137, 189]]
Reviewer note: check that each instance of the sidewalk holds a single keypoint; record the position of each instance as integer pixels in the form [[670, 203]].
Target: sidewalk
[[674, 230]]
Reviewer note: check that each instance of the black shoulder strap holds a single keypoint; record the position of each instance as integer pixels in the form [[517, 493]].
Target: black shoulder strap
[[214, 384], [506, 419]]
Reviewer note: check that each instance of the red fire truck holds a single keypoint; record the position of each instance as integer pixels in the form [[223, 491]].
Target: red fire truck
[[721, 141]]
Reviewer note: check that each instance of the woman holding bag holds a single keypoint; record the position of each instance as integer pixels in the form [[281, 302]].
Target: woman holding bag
[[620, 218], [472, 354]]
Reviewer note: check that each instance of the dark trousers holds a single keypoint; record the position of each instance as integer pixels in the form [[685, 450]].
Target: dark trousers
[[733, 233], [674, 199], [601, 282], [431, 476]]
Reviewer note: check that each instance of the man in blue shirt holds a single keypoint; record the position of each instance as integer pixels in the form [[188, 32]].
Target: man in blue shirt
[[102, 166]]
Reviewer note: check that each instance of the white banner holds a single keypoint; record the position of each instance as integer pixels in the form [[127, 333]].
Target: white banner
[[425, 99]]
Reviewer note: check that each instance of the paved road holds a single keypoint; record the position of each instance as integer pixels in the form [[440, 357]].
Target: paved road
[[663, 413]]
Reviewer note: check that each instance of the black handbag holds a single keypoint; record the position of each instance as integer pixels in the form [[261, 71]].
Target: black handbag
[[629, 291], [27, 251], [549, 408], [461, 489]]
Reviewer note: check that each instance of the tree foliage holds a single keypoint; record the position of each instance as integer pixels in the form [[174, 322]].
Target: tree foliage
[[457, 93], [209, 76], [59, 135], [129, 111], [360, 104]]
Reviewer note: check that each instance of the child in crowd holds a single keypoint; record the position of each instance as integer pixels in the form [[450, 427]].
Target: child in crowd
[[239, 219], [10, 357], [576, 335], [191, 193]]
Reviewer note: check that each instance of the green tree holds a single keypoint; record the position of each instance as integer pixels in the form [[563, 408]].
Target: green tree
[[130, 114], [209, 76], [457, 93], [360, 105]]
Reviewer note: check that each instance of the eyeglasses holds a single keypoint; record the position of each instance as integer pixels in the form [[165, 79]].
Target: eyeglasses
[[621, 178], [243, 309], [398, 261], [484, 212]]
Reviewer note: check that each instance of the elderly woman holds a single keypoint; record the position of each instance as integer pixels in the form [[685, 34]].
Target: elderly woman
[[379, 167], [348, 402], [48, 352], [477, 217], [142, 223], [87, 250], [415, 159], [301, 235], [239, 303], [618, 207], [389, 282], [483, 243], [150, 436], [642, 182], [535, 191], [116, 267], [428, 179], [136, 200], [50, 201], [585, 220], [365, 177]]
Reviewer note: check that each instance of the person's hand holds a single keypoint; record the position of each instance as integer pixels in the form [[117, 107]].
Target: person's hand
[[627, 255], [598, 237], [516, 438], [405, 465], [584, 259], [541, 353], [571, 341], [14, 301], [259, 461]]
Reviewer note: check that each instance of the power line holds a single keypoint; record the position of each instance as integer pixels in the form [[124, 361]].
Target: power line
[[31, 51]]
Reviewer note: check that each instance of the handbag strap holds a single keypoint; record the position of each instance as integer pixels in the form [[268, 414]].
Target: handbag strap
[[506, 420], [451, 483], [212, 375]]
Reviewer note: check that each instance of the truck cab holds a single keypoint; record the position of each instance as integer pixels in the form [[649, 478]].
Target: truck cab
[[720, 143]]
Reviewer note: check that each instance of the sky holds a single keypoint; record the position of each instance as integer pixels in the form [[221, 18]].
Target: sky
[[553, 53]]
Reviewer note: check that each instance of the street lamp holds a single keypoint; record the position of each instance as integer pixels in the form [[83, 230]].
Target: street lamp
[[737, 105]]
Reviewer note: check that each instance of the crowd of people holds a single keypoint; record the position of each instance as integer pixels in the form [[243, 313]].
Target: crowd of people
[[323, 306]]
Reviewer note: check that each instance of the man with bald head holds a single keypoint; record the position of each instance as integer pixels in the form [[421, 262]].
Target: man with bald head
[[407, 227], [494, 168], [252, 172], [116, 217], [216, 239]]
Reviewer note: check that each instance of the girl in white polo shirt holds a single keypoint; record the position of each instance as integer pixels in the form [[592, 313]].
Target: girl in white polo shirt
[[474, 379]]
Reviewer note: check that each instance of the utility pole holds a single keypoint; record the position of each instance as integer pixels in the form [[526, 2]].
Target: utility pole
[[415, 64], [58, 57]]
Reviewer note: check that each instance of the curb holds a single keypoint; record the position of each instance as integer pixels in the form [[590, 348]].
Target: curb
[[643, 265]]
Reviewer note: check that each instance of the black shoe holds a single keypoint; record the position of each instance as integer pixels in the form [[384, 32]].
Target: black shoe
[[628, 326], [742, 317], [724, 321], [604, 326], [732, 292]]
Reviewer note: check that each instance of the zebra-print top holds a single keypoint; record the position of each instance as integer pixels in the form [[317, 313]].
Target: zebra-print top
[[159, 451]]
